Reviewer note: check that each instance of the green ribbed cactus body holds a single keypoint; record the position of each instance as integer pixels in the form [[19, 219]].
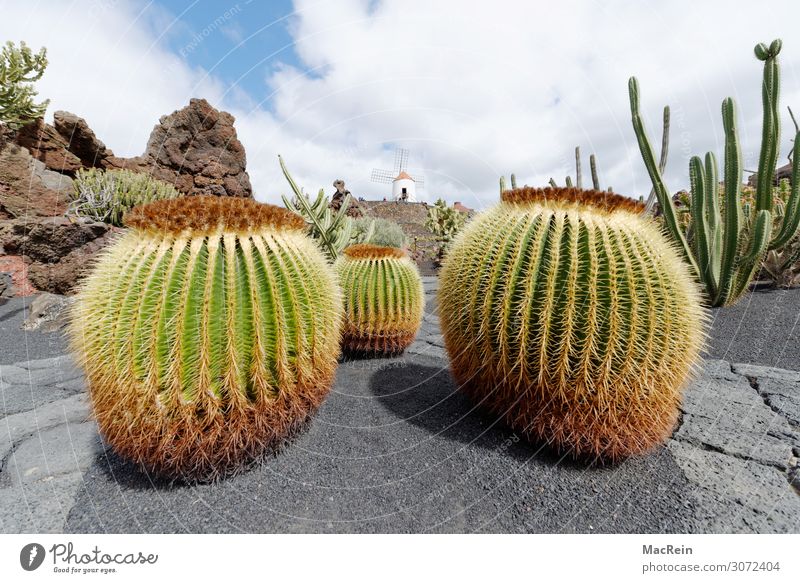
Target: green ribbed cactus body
[[208, 335], [570, 315], [383, 299]]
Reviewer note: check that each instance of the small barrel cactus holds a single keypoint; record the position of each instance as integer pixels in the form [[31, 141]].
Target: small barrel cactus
[[209, 333], [570, 314], [383, 299]]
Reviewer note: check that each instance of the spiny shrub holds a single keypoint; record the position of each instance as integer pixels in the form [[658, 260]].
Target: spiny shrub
[[106, 195], [379, 231], [574, 318], [383, 299], [209, 333]]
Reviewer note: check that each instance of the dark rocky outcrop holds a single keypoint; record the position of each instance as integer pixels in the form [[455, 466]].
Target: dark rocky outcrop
[[57, 249], [48, 146], [82, 142], [28, 188], [196, 149]]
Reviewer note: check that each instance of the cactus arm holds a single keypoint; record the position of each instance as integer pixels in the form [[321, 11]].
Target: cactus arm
[[569, 182], [595, 178], [702, 232], [662, 162], [733, 210], [712, 213], [668, 207], [502, 184], [553, 183], [761, 233], [791, 218], [578, 173], [771, 125], [513, 181]]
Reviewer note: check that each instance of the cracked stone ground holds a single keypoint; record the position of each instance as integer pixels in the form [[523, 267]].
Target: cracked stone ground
[[397, 448]]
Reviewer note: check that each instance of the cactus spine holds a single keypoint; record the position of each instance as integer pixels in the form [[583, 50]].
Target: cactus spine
[[209, 333], [383, 299], [726, 247], [569, 314]]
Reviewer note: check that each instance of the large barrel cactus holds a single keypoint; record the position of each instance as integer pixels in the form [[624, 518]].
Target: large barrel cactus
[[569, 314], [209, 333], [383, 299]]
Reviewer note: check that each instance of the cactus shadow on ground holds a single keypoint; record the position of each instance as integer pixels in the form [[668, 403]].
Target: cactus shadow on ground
[[428, 398]]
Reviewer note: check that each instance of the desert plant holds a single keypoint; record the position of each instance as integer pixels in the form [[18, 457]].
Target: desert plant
[[19, 69], [106, 195], [727, 248], [444, 223], [578, 173], [383, 299], [780, 266], [379, 231], [209, 333], [568, 313], [331, 229]]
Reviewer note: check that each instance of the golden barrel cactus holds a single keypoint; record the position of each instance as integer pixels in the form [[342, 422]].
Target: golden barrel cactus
[[209, 333], [569, 314], [383, 299]]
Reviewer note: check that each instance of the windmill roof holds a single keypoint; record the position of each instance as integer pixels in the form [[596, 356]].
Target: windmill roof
[[403, 175]]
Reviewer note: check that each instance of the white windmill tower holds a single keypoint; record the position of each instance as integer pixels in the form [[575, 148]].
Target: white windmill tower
[[404, 185]]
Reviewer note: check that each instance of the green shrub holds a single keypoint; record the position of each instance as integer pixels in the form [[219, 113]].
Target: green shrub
[[380, 232], [106, 195]]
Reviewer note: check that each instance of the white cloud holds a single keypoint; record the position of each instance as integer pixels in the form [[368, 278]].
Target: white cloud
[[474, 90]]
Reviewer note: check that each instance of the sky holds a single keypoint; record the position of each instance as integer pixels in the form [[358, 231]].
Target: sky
[[473, 90]]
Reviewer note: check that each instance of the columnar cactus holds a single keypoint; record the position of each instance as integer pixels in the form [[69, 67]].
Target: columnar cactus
[[209, 333], [383, 299], [570, 315], [723, 246]]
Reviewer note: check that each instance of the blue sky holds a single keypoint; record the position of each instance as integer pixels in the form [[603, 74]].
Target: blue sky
[[238, 42]]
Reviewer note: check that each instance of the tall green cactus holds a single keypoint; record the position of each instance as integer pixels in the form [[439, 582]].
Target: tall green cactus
[[568, 313], [333, 230], [209, 333], [383, 299], [727, 246]]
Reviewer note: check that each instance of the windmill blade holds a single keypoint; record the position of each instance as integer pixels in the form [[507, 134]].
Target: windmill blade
[[400, 160], [382, 176], [419, 181]]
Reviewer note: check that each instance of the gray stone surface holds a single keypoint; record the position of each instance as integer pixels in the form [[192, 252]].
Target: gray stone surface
[[397, 448], [31, 384], [730, 416]]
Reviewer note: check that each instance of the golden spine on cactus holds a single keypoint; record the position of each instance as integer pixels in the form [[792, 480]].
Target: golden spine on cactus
[[209, 334], [569, 314], [383, 299]]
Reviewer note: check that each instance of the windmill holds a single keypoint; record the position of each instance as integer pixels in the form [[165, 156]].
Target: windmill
[[404, 185]]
